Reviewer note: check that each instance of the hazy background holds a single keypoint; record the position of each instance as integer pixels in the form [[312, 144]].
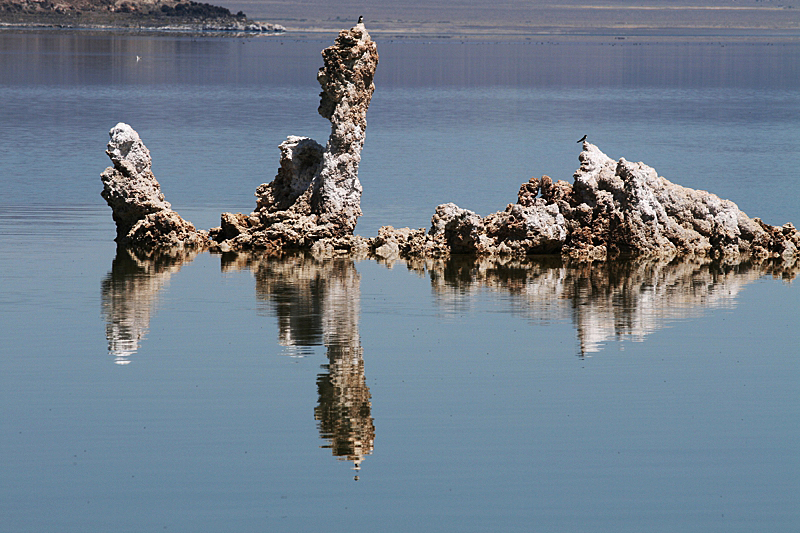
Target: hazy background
[[524, 17]]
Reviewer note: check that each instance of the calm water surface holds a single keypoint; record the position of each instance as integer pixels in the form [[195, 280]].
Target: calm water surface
[[245, 393]]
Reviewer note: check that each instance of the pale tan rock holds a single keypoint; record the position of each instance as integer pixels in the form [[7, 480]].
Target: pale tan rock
[[142, 215], [316, 194], [613, 208]]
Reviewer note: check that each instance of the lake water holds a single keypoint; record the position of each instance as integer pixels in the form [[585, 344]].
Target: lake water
[[245, 393]]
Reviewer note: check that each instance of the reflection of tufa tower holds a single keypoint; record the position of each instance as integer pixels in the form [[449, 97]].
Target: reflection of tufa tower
[[319, 302], [624, 300], [344, 410], [129, 294]]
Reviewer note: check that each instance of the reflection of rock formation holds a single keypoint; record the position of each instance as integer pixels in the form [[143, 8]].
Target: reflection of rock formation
[[129, 295], [608, 301], [345, 411], [319, 302]]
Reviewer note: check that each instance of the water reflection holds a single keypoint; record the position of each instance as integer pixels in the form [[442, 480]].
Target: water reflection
[[77, 59], [129, 294], [318, 302], [625, 300]]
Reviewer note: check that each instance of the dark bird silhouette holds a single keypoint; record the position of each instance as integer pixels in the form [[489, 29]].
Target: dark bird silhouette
[[582, 139], [360, 20]]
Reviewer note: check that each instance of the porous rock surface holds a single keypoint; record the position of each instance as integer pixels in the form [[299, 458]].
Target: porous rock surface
[[613, 208], [142, 215], [316, 196]]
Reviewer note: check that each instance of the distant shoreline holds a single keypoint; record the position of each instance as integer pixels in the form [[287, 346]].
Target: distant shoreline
[[467, 19], [498, 35], [473, 19], [130, 16], [176, 29], [389, 30]]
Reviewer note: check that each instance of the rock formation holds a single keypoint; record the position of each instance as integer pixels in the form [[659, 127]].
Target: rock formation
[[143, 217], [316, 195], [613, 208]]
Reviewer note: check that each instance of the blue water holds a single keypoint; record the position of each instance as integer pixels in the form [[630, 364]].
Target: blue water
[[218, 393]]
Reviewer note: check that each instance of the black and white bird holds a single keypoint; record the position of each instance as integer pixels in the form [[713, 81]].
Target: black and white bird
[[360, 20], [582, 139]]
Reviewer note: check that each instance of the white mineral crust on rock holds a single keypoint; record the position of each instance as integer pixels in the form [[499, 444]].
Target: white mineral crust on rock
[[613, 208], [347, 86], [143, 216], [316, 195], [650, 215], [130, 188]]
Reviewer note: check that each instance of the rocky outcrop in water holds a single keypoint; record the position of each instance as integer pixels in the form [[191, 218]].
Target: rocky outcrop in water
[[316, 196], [613, 208], [143, 217]]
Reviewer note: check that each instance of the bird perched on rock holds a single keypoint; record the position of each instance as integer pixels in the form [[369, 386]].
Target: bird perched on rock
[[582, 139], [360, 20]]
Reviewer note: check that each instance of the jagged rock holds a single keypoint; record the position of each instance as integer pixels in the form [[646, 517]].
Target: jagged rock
[[130, 188], [613, 208], [165, 229], [347, 87], [142, 215], [630, 209], [317, 195], [460, 229], [392, 243], [301, 159]]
